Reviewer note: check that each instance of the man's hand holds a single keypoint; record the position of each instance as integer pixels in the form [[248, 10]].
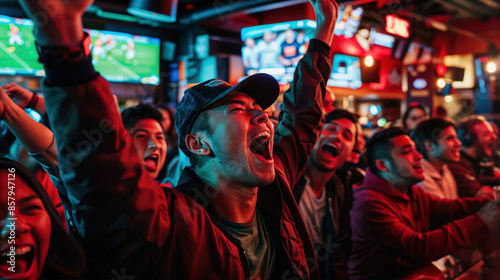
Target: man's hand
[[20, 94], [5, 103], [326, 16], [491, 215], [57, 22]]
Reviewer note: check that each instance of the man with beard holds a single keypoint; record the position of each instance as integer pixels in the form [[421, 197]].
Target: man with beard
[[478, 141], [323, 200], [397, 227]]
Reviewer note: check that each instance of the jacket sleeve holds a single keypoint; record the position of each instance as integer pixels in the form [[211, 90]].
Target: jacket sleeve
[[446, 210], [301, 117], [118, 210], [467, 182], [391, 231]]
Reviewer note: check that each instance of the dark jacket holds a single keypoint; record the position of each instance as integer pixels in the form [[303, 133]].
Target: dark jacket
[[466, 173], [334, 255], [130, 226], [394, 233]]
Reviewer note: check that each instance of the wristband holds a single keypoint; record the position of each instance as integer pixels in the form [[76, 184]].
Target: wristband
[[33, 101], [51, 55]]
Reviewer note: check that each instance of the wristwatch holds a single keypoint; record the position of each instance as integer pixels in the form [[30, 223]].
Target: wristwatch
[[61, 54]]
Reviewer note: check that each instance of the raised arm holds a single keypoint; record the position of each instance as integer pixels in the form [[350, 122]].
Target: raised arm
[[57, 22], [326, 16], [301, 117], [35, 137], [118, 211]]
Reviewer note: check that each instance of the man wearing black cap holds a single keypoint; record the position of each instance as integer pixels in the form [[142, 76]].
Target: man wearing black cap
[[130, 227], [242, 170]]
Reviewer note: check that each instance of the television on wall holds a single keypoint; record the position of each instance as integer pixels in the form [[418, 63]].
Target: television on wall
[[119, 57], [18, 54], [348, 20], [275, 49], [122, 57], [346, 72]]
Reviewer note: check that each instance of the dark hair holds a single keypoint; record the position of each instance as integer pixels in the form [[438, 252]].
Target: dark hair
[[171, 133], [65, 258], [428, 130], [464, 129], [342, 114], [380, 146], [142, 111], [411, 107]]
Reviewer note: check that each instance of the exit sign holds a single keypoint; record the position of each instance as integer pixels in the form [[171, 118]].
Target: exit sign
[[397, 26]]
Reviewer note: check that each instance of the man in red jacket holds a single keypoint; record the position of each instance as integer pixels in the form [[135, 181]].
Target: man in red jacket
[[396, 226], [236, 217]]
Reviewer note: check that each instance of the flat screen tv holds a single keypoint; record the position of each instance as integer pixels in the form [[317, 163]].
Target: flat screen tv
[[346, 72], [122, 57], [18, 54], [275, 49], [119, 57], [348, 20]]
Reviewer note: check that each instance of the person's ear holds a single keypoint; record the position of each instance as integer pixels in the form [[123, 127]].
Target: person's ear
[[383, 165], [429, 146], [197, 146]]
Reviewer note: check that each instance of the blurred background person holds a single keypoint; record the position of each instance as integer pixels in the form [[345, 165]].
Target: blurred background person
[[414, 114]]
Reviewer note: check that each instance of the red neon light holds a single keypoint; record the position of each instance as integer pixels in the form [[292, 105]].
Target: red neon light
[[397, 26]]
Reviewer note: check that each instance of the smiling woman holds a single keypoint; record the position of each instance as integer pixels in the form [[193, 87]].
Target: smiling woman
[[34, 243]]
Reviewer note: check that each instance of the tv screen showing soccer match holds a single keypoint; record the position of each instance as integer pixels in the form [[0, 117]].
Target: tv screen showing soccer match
[[18, 54], [119, 57]]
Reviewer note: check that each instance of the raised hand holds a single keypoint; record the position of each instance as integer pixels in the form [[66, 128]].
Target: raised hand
[[491, 215], [57, 22], [326, 16]]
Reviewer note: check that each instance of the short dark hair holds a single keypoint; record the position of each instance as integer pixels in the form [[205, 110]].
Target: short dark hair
[[142, 111], [412, 106], [342, 114], [380, 146], [428, 130], [464, 129]]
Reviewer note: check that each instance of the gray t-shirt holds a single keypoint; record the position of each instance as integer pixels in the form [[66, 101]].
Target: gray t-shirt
[[313, 211], [254, 238]]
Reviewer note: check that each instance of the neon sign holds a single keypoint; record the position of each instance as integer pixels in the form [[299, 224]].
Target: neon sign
[[397, 26]]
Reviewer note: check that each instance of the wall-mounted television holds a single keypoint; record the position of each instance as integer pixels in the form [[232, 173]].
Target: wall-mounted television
[[18, 54], [346, 72], [275, 49], [119, 57], [410, 52], [348, 20], [122, 57]]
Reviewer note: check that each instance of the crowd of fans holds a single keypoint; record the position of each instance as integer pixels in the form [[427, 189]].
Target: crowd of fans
[[221, 188]]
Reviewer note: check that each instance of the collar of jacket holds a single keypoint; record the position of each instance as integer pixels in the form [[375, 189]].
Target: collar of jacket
[[269, 198], [374, 182]]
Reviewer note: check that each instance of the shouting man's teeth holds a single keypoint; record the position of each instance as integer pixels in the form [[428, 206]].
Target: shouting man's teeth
[[331, 149], [260, 145]]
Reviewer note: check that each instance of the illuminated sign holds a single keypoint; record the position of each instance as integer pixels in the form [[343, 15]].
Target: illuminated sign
[[397, 26], [419, 84]]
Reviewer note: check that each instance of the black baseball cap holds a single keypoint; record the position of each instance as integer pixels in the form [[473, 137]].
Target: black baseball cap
[[261, 87]]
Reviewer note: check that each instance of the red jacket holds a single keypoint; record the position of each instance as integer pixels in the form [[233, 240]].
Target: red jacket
[[394, 232], [130, 226]]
